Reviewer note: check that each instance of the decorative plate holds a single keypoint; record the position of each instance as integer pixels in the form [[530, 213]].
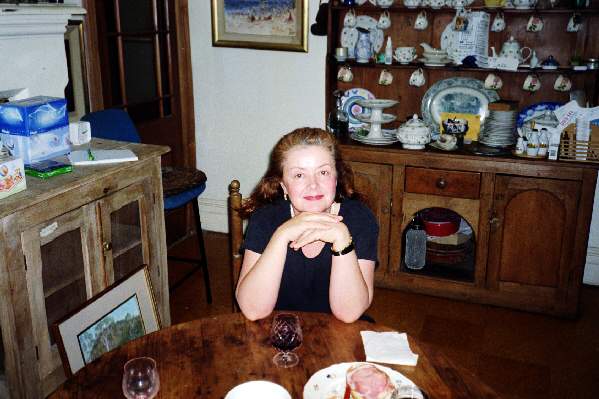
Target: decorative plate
[[349, 37], [377, 36], [350, 106], [457, 95], [534, 110], [378, 103], [385, 118], [449, 39], [329, 383]]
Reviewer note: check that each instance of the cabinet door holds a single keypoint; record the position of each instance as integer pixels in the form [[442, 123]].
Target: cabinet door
[[124, 224], [60, 277], [374, 181], [532, 237]]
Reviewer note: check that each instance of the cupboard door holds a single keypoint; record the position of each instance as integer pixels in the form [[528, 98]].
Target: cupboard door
[[125, 240], [374, 181], [532, 237], [58, 256]]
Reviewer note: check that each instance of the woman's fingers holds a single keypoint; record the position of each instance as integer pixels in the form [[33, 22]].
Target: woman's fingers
[[307, 237]]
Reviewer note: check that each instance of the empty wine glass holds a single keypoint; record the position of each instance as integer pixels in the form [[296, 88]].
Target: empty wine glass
[[140, 378], [285, 336]]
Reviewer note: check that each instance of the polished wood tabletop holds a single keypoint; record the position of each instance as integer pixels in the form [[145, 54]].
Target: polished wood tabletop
[[206, 358]]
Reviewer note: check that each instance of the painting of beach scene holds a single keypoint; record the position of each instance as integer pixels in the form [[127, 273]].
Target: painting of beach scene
[[274, 24], [119, 326]]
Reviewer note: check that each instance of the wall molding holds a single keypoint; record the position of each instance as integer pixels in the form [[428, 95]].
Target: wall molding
[[35, 20]]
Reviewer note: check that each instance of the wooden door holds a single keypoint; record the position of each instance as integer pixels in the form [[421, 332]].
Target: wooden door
[[532, 235], [124, 224], [374, 181], [60, 277]]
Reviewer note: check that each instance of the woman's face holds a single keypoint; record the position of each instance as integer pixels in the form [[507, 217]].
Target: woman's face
[[309, 178]]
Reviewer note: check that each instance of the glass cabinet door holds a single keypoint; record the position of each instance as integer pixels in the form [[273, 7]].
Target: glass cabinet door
[[124, 231], [58, 255]]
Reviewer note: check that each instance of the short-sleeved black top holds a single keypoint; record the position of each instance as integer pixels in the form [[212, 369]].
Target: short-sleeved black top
[[305, 281]]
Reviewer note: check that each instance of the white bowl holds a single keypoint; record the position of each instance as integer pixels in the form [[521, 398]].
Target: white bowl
[[258, 389]]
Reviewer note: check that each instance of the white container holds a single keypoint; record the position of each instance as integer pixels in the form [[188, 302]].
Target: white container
[[414, 134]]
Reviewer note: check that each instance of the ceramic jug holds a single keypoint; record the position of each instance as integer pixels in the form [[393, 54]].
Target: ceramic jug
[[363, 46], [511, 49]]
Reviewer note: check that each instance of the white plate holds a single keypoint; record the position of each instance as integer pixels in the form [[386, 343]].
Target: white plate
[[350, 106], [377, 36], [386, 118], [329, 383], [435, 63], [258, 389], [377, 103], [384, 139]]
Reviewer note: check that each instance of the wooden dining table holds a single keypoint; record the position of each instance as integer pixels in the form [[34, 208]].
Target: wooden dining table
[[206, 358]]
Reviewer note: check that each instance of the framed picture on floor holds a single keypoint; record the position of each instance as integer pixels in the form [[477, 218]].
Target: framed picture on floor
[[260, 24], [122, 312]]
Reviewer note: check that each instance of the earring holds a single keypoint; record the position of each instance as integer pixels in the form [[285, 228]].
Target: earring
[[285, 196]]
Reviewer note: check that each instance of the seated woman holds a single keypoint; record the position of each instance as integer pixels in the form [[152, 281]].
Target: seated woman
[[310, 244]]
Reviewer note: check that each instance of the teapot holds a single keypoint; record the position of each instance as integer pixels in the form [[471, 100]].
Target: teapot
[[511, 49]]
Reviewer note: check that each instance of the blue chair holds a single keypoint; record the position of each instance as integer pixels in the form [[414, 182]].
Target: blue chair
[[180, 186]]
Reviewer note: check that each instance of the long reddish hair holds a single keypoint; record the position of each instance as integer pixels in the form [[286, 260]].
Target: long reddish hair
[[269, 188]]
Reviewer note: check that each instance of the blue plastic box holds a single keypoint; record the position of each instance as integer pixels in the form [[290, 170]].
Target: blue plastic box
[[35, 129], [33, 115]]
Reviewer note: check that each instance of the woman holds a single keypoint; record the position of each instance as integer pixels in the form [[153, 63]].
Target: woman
[[310, 244]]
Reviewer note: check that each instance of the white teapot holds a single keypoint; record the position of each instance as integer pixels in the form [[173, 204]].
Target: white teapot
[[511, 49], [414, 134]]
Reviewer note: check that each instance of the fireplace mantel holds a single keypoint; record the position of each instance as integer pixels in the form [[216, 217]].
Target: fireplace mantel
[[32, 44], [35, 19]]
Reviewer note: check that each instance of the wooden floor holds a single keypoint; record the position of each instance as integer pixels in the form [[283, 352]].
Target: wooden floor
[[520, 355]]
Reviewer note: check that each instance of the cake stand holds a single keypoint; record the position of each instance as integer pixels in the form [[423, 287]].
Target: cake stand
[[376, 118]]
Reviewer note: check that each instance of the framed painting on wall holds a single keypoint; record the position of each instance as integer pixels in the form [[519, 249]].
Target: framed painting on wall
[[124, 311], [260, 24]]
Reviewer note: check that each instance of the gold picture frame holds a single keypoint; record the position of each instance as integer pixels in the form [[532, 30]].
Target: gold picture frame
[[261, 24], [124, 311]]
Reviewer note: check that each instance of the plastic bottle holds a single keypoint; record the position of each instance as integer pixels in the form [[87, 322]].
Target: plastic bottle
[[415, 253]]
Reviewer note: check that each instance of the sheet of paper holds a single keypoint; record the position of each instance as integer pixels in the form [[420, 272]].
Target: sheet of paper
[[95, 157]]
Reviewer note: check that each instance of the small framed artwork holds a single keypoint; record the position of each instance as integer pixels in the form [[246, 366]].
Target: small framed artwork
[[122, 312], [260, 24]]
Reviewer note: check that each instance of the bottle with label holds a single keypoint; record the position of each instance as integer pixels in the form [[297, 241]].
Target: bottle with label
[[338, 121], [389, 52], [415, 252]]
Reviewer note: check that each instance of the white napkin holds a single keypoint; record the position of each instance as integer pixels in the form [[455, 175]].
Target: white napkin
[[388, 347]]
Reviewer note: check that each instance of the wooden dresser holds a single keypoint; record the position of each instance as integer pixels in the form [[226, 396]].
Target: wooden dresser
[[530, 221], [65, 239]]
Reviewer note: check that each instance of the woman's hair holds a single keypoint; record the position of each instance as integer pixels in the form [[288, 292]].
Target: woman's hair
[[269, 188]]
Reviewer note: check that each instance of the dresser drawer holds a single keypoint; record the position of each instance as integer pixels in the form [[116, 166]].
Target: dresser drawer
[[450, 183]]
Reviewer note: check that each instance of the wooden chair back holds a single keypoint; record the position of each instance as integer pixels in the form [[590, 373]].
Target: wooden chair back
[[235, 235]]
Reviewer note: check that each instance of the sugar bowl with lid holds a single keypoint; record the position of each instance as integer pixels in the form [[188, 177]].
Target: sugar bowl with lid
[[414, 134]]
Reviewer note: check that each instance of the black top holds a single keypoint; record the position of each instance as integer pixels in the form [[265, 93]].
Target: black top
[[305, 281]]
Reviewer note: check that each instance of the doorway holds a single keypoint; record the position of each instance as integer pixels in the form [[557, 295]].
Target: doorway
[[143, 66]]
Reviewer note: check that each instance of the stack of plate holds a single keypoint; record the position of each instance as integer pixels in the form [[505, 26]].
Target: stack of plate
[[389, 137], [498, 129]]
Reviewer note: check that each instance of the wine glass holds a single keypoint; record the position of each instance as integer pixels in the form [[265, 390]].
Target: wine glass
[[285, 336], [140, 378]]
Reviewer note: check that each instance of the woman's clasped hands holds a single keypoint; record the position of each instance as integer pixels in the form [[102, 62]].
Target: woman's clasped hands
[[308, 227]]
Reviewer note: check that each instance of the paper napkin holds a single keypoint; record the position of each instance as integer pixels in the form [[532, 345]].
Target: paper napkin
[[388, 347]]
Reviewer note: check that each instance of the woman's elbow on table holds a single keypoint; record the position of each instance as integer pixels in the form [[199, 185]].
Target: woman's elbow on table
[[346, 316]]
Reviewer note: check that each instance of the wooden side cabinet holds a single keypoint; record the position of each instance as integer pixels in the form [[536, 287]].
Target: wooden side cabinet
[[64, 240], [528, 222]]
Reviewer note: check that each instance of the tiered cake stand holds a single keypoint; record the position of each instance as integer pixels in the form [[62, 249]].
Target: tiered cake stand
[[375, 119]]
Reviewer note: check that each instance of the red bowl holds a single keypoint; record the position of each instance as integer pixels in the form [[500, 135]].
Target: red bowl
[[440, 222]]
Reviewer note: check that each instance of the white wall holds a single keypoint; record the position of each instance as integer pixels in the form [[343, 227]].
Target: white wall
[[244, 101]]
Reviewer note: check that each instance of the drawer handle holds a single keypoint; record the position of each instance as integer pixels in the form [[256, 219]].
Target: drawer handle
[[441, 183]]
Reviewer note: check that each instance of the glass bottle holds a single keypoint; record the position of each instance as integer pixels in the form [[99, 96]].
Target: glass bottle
[[338, 119], [415, 253]]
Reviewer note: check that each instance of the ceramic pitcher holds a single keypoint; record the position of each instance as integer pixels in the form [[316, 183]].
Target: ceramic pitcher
[[363, 46]]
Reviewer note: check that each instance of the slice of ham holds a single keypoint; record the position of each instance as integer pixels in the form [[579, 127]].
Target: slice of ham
[[366, 381]]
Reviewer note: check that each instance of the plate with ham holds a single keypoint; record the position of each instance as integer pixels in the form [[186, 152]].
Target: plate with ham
[[360, 380]]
